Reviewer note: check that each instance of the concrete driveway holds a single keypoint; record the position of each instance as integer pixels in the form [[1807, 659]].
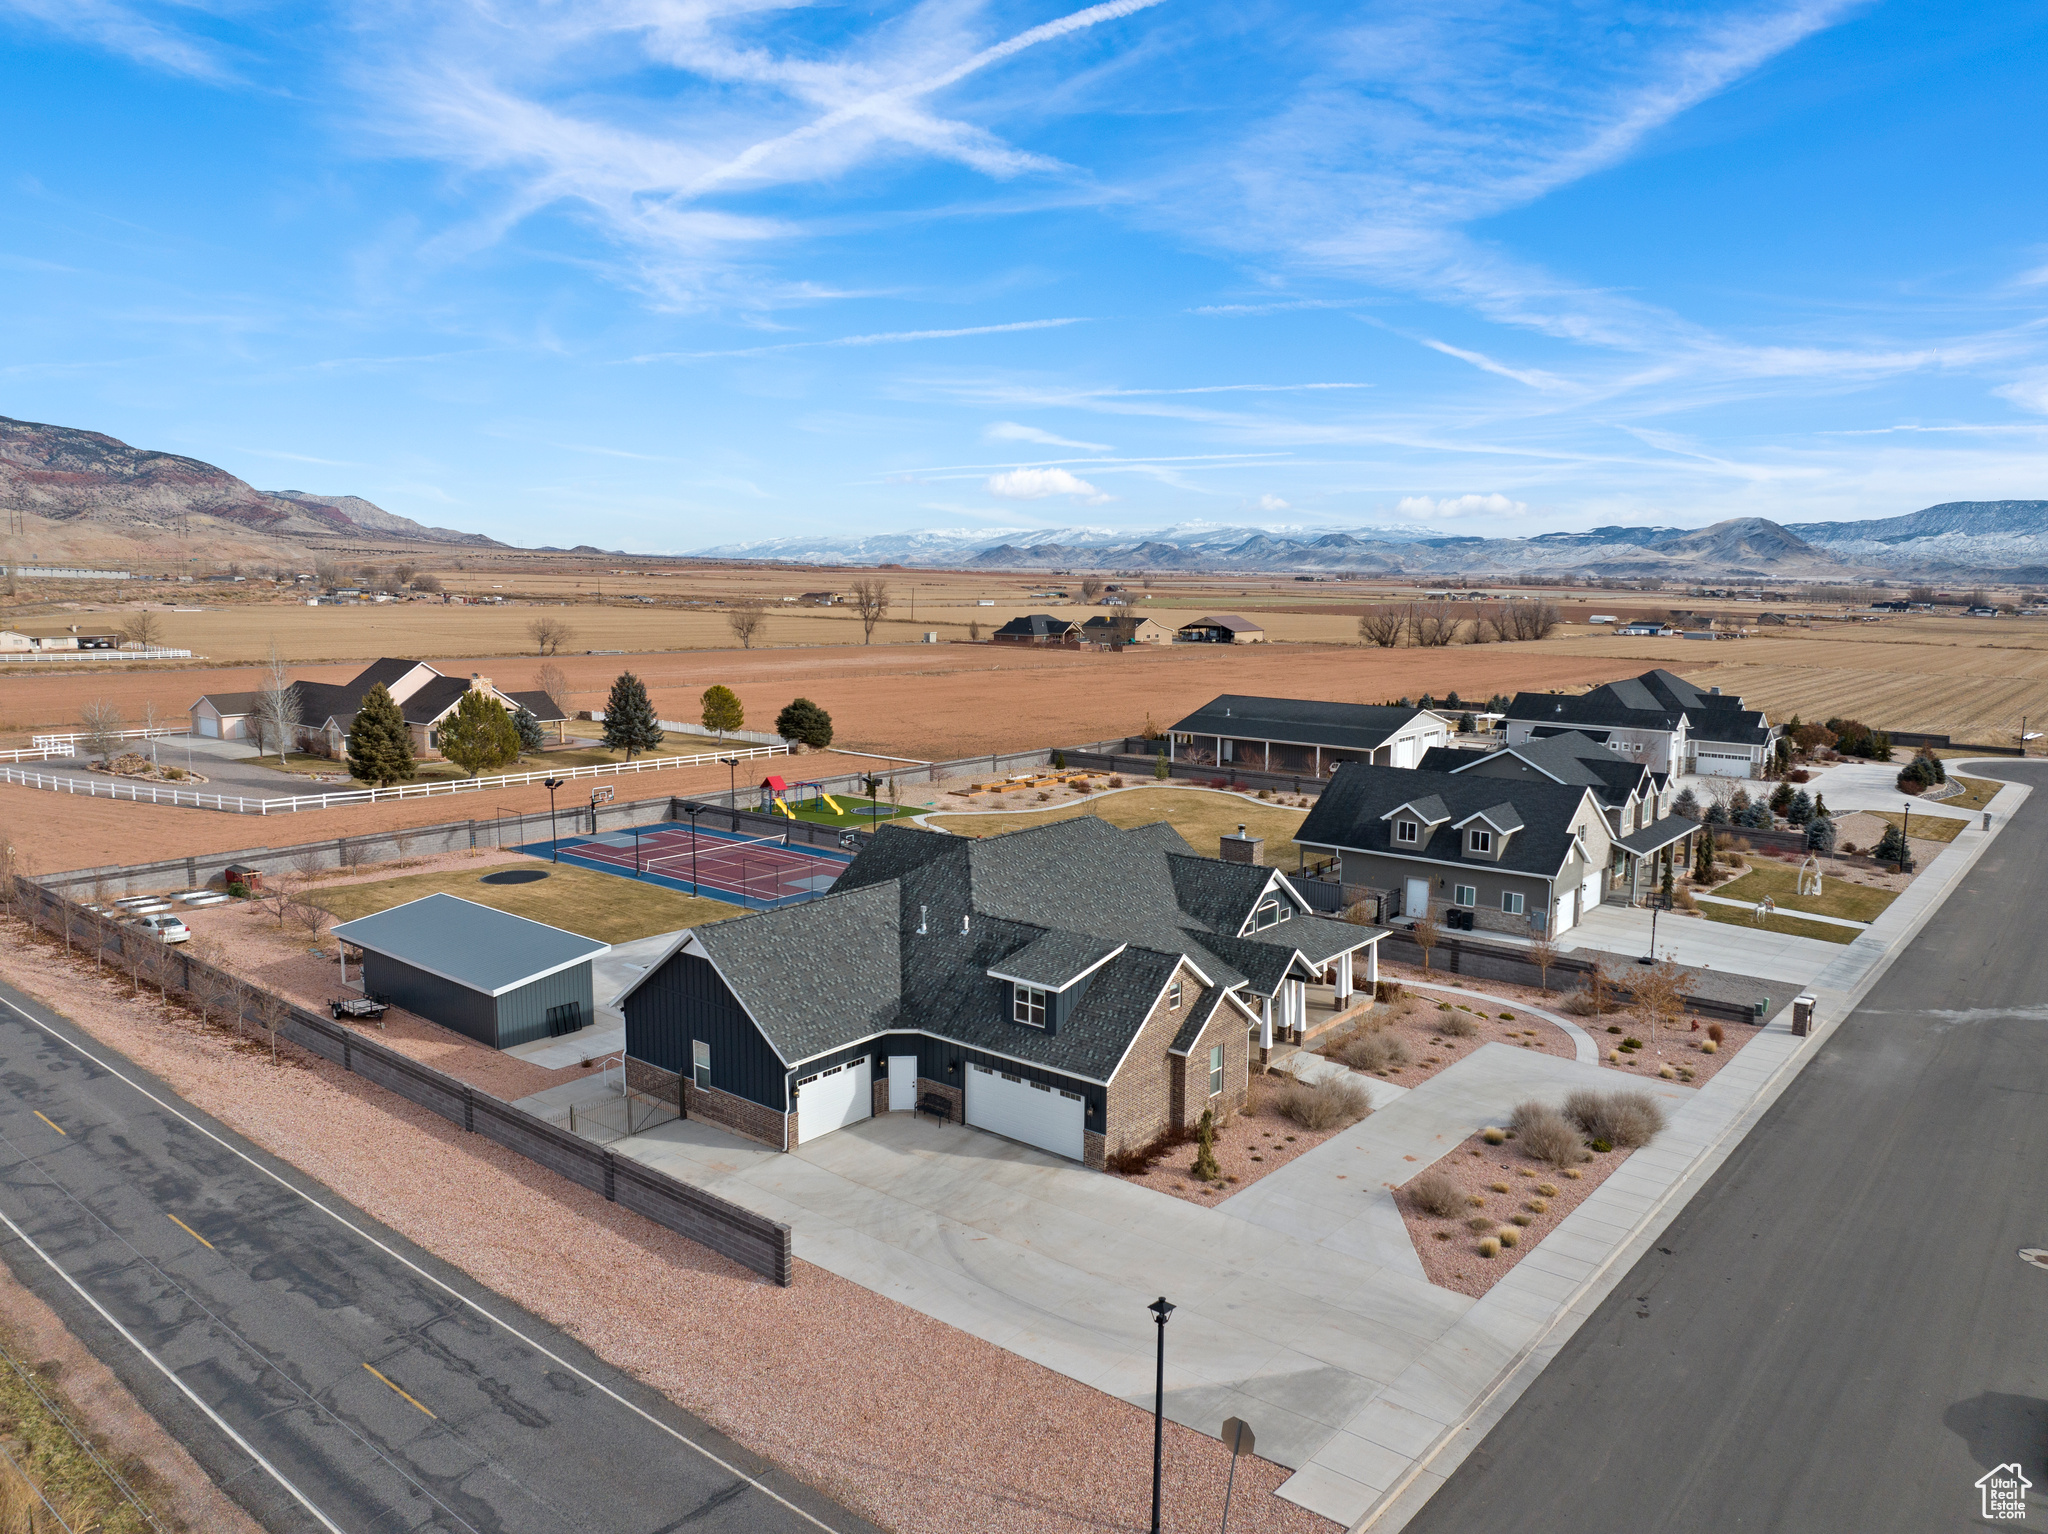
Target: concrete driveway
[[1303, 1308]]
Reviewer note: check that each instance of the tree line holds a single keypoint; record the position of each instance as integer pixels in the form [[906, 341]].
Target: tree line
[[1434, 625]]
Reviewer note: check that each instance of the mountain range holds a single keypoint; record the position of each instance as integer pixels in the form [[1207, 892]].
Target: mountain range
[[64, 475]]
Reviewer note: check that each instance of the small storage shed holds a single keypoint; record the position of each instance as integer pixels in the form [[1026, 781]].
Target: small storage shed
[[492, 976]]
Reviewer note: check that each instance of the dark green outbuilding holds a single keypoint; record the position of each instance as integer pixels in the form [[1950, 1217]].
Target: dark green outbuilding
[[489, 975]]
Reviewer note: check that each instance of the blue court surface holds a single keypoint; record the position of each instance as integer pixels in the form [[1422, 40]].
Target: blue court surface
[[760, 873]]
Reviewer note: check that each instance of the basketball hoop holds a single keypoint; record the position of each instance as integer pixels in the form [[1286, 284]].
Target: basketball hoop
[[600, 796]]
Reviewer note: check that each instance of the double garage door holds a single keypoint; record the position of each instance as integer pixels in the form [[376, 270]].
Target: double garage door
[[832, 1099], [1046, 1117], [1716, 764]]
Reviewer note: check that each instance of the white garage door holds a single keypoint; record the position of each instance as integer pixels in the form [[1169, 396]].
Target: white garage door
[[1023, 1110], [1589, 892], [833, 1099], [1717, 765], [208, 725]]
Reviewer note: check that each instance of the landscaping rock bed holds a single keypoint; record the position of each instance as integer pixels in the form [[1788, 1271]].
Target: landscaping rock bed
[[1250, 1145], [1420, 1033]]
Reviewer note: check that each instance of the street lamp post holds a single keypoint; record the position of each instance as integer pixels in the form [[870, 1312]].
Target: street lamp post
[[1160, 1311], [732, 793], [693, 810], [1905, 831], [554, 835]]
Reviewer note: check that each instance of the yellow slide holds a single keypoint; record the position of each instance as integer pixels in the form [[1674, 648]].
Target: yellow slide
[[784, 808], [832, 804]]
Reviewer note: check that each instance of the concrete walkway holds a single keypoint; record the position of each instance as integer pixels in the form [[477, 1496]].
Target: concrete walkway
[[1750, 905], [1740, 950], [1584, 1047]]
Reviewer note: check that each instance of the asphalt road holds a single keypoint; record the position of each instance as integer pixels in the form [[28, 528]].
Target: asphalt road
[[1835, 1334], [328, 1373]]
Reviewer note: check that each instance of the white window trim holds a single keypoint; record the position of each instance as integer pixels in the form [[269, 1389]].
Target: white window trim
[[1479, 841], [1466, 895], [1515, 909], [1407, 833], [1173, 994], [1028, 998], [1215, 1070], [700, 1064]]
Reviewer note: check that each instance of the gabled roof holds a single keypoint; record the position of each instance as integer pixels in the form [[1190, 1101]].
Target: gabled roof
[[1300, 721], [923, 930], [1430, 809], [1656, 700], [538, 704], [1353, 813], [475, 946], [1230, 621], [1040, 626], [430, 702], [1570, 756], [1503, 817]]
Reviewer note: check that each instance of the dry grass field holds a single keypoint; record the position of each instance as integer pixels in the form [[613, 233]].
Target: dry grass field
[[1200, 815], [603, 906]]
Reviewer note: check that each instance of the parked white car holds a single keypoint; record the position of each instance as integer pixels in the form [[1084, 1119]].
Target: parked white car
[[169, 928]]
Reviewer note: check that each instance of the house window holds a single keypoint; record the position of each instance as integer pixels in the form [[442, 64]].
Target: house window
[[1215, 1070], [1467, 894], [1173, 995], [1029, 1008], [1268, 915], [700, 1063], [1511, 902], [1481, 841], [1405, 831]]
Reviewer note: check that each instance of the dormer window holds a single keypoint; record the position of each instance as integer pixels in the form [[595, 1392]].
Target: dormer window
[[1479, 841], [1029, 1007], [1173, 995], [1407, 831], [1269, 913]]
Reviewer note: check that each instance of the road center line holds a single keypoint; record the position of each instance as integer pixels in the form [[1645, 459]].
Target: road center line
[[188, 1230], [50, 1121], [380, 1375]]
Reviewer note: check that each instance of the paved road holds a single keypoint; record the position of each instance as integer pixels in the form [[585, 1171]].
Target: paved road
[[1836, 1333], [331, 1375]]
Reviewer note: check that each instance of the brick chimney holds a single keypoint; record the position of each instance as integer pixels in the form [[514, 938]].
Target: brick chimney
[[1242, 849], [479, 682]]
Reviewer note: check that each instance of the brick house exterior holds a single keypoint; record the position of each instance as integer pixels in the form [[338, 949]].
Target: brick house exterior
[[1074, 986]]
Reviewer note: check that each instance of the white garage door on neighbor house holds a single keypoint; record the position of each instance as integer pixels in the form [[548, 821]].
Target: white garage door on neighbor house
[[834, 1098], [1024, 1110], [1718, 764]]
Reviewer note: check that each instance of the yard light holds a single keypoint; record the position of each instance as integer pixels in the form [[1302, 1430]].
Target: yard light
[[1160, 1311], [693, 810], [1905, 831], [732, 795], [554, 836]]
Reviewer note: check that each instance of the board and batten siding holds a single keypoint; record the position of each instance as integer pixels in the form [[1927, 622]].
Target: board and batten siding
[[523, 1013], [943, 1061], [470, 1013], [685, 1000]]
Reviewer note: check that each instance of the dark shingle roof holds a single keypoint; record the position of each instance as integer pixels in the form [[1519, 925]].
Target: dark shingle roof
[[229, 703], [1349, 814], [1656, 700], [538, 704], [1039, 626], [1656, 836], [1298, 721], [1569, 757], [434, 699], [1230, 621], [918, 921]]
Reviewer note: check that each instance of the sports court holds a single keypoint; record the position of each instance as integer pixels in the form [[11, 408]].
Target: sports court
[[762, 873]]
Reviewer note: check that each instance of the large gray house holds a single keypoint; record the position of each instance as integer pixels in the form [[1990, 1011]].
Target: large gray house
[[1074, 986], [1657, 718], [424, 697], [1527, 855], [1303, 735]]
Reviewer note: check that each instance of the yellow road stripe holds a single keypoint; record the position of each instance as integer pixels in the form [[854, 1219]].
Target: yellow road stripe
[[188, 1230], [401, 1392], [50, 1121]]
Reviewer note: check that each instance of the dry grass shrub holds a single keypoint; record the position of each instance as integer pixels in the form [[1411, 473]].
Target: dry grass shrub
[[1372, 1051], [1508, 1236], [1326, 1105], [1625, 1120], [1459, 1026], [1479, 1224], [1490, 1247], [1496, 1135], [1434, 1192], [1547, 1135]]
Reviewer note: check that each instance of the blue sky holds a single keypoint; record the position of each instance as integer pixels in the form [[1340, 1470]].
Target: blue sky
[[661, 275]]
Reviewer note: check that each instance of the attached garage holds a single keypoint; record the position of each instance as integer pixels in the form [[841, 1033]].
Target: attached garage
[[1045, 1116], [833, 1098], [1722, 764]]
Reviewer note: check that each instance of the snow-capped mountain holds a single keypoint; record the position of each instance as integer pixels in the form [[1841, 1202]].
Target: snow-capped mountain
[[1954, 538]]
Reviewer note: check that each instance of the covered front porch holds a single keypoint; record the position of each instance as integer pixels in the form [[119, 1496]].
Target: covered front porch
[[1313, 999], [1636, 871]]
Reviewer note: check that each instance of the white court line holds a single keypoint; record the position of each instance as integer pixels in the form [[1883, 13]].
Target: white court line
[[399, 1257]]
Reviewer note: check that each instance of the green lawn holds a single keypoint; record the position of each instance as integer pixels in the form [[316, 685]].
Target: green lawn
[[1200, 815], [1791, 926], [818, 815], [602, 906], [1925, 828], [1780, 881]]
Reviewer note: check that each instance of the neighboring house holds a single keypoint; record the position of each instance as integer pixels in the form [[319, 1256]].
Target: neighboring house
[[497, 978], [1636, 800], [1103, 630], [1074, 986], [1524, 857], [326, 709], [1659, 719], [58, 637], [1223, 628], [1300, 735], [1040, 629], [1644, 628], [819, 598]]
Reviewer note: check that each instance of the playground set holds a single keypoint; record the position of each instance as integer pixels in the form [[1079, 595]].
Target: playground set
[[779, 797]]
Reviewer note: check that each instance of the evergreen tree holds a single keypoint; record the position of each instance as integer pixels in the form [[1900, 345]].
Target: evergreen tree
[[803, 720], [1687, 804], [1670, 880], [1162, 768], [1205, 1167], [379, 744], [1717, 813], [1820, 835], [531, 736], [1891, 848], [629, 722], [1703, 865], [479, 735], [1781, 798], [1800, 810], [722, 709], [1820, 806]]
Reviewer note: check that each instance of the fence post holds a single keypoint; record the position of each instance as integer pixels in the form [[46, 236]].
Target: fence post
[[611, 1177]]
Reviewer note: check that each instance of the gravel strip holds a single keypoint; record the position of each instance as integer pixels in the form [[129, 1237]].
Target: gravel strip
[[910, 1422], [1450, 1251], [1250, 1145]]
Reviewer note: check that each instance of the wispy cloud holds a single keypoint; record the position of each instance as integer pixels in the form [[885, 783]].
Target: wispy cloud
[[1012, 431], [130, 32], [885, 338]]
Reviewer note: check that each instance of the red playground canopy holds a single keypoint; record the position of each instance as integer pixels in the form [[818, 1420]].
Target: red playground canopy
[[775, 784]]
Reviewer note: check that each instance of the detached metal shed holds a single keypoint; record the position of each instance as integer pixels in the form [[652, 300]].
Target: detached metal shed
[[492, 976]]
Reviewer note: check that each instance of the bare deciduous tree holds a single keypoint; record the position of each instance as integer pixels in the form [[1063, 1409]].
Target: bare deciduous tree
[[1091, 588], [403, 572], [1382, 625], [277, 705], [1487, 626], [100, 732], [428, 582], [554, 681], [1659, 996], [1425, 932], [974, 630], [1537, 619], [549, 634], [144, 628], [745, 618], [871, 601], [1432, 625], [1542, 953]]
